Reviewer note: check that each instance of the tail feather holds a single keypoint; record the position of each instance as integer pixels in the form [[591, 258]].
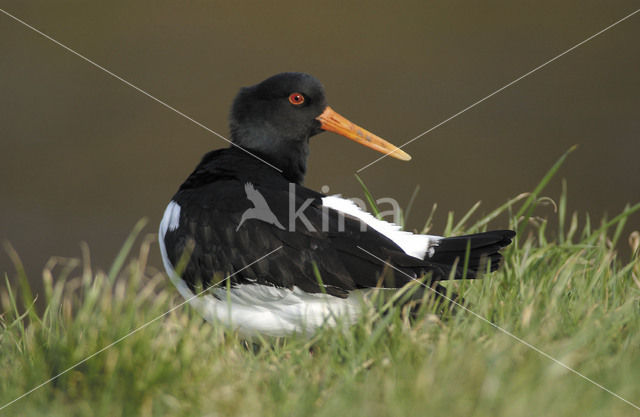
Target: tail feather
[[482, 248]]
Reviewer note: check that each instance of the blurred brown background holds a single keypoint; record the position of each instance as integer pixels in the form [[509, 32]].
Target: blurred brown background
[[83, 156]]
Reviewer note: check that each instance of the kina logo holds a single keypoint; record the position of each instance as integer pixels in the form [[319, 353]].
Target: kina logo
[[260, 210]]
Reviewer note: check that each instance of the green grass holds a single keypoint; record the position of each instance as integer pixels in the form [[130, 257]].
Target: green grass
[[570, 295]]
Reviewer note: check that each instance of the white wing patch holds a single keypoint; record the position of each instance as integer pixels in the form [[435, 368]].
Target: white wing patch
[[415, 245], [171, 219]]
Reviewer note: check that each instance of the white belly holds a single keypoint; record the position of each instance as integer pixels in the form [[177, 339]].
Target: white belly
[[259, 309]]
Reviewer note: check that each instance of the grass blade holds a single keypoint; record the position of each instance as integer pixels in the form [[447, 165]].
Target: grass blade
[[368, 196], [525, 212], [126, 249]]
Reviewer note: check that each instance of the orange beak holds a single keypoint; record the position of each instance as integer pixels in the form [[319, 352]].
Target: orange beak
[[333, 122]]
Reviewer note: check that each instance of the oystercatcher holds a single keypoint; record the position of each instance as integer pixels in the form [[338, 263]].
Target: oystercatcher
[[247, 201]]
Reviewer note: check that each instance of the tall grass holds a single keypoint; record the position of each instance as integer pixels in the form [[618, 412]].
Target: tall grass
[[567, 293]]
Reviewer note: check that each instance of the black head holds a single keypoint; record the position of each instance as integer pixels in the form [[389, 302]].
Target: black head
[[281, 108], [275, 119]]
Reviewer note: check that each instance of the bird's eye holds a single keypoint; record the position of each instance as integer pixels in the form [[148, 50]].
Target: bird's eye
[[296, 99]]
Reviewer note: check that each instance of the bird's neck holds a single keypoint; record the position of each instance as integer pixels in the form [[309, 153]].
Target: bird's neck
[[288, 155], [291, 160]]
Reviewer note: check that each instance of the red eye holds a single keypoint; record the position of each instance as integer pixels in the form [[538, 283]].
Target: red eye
[[296, 99]]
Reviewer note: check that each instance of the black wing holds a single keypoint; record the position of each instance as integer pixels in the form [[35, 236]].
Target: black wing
[[316, 246], [209, 216]]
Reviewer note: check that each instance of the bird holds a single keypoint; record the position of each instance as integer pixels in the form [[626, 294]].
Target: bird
[[251, 248]]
